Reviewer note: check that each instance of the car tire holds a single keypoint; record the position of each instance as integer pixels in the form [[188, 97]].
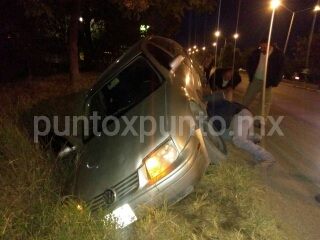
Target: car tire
[[215, 145]]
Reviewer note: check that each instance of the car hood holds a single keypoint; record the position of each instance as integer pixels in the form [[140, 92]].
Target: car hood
[[107, 160]]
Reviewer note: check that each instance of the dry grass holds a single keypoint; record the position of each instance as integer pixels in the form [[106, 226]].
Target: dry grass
[[227, 204]]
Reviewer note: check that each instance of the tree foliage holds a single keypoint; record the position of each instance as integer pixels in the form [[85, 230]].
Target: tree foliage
[[231, 57], [117, 22]]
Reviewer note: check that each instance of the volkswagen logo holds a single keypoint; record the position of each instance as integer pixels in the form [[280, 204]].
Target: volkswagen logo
[[109, 196]]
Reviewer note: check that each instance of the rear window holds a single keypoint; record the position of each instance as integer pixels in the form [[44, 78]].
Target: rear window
[[160, 55], [129, 87], [169, 46]]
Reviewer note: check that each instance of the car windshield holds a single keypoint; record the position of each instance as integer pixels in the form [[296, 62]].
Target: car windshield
[[125, 90]]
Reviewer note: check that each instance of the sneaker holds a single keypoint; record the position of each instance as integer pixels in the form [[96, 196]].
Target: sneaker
[[264, 164], [317, 197], [256, 138]]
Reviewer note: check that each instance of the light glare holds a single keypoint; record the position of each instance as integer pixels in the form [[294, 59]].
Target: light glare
[[161, 159], [124, 215], [187, 79], [275, 4]]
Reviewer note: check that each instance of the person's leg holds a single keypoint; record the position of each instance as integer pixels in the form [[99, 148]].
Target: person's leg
[[252, 90], [241, 124], [268, 102], [254, 137], [267, 105]]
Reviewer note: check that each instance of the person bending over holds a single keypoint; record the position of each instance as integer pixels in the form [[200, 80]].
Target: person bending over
[[225, 79]]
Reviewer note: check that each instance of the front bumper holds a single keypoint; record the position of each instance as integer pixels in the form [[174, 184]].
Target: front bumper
[[189, 167]]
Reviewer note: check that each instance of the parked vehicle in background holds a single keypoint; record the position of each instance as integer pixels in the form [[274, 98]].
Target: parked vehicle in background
[[309, 76], [146, 140], [305, 75]]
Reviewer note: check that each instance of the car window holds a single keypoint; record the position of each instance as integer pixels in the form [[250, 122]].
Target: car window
[[121, 93], [171, 47], [160, 55]]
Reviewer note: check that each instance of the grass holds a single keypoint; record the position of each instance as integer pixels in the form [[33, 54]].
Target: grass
[[228, 203]]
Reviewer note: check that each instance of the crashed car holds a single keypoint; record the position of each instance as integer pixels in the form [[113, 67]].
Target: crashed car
[[146, 140]]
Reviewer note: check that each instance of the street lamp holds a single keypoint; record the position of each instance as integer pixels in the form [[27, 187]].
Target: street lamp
[[218, 34], [274, 5], [235, 36], [222, 48]]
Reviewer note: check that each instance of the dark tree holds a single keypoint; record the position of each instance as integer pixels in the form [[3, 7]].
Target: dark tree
[[48, 19]]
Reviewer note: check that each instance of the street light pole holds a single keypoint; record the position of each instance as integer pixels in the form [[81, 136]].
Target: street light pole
[[274, 5], [290, 27], [217, 34], [285, 46], [316, 9]]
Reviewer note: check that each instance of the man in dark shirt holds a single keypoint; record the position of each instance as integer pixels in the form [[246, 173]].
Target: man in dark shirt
[[257, 71], [236, 118]]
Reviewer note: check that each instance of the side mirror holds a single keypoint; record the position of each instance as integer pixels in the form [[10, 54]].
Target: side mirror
[[175, 63], [61, 146], [66, 151]]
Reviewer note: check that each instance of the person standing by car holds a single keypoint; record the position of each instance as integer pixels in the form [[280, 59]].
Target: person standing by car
[[238, 119], [225, 80], [207, 64], [256, 71]]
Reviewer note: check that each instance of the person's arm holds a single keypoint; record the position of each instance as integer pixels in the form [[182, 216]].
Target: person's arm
[[236, 79], [252, 63], [279, 68], [216, 79]]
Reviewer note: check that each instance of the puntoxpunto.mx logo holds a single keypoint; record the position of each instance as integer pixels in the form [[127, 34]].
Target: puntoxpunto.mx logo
[[144, 126]]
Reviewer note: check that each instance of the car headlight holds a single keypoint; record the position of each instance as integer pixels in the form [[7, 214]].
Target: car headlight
[[161, 159]]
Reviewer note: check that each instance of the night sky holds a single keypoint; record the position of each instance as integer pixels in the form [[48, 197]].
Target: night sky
[[253, 23]]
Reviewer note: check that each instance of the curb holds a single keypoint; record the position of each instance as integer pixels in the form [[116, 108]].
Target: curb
[[307, 88]]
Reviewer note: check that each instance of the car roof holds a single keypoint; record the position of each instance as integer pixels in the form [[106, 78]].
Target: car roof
[[168, 45], [118, 64]]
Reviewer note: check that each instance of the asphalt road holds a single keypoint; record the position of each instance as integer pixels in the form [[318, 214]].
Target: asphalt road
[[292, 184]]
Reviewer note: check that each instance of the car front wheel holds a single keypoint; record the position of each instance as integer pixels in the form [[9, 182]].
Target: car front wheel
[[215, 144]]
